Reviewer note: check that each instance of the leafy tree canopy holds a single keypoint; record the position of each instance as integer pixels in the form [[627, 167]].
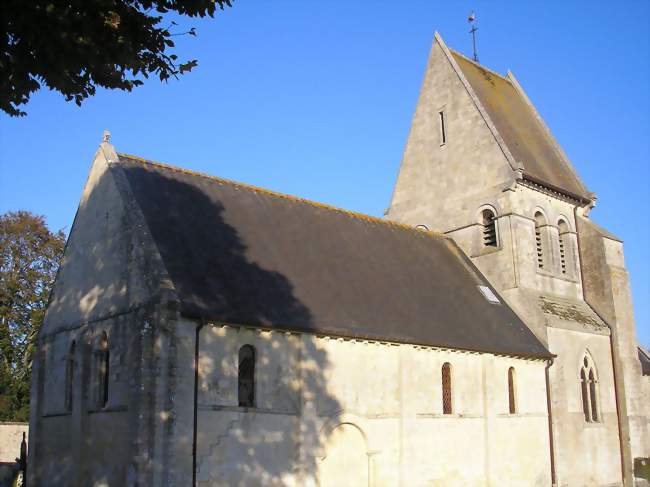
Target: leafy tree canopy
[[29, 259], [73, 46]]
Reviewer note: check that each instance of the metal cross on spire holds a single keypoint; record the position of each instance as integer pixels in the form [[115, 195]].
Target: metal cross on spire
[[471, 19]]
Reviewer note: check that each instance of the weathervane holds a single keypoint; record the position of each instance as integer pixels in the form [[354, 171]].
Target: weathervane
[[471, 19]]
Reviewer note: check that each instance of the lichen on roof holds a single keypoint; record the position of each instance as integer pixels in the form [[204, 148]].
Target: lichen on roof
[[296, 199], [240, 254], [570, 311], [523, 133]]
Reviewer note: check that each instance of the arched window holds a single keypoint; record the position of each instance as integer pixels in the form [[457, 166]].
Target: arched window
[[512, 402], [540, 222], [589, 390], [488, 220], [446, 388], [69, 376], [565, 249], [246, 381], [103, 360]]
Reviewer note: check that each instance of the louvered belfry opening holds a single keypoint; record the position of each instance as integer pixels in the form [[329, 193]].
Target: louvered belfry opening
[[489, 228], [446, 388], [540, 221], [563, 228]]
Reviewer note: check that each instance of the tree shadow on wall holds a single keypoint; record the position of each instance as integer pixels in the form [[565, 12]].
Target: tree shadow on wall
[[235, 289]]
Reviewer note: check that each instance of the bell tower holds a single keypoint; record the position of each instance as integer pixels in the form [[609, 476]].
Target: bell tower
[[481, 166]]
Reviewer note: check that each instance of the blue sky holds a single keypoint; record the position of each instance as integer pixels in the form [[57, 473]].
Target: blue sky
[[315, 99]]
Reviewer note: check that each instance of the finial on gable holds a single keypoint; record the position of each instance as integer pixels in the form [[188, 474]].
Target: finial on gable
[[109, 151]]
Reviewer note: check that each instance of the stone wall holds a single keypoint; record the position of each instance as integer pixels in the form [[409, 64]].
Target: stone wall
[[110, 282], [607, 288], [587, 453], [75, 437], [468, 164], [333, 411]]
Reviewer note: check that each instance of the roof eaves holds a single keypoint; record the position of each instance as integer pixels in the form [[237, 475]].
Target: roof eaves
[[580, 198], [531, 356]]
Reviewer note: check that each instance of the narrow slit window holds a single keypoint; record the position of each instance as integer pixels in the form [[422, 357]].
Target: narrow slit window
[[512, 403], [246, 382], [489, 228], [446, 388], [443, 134]]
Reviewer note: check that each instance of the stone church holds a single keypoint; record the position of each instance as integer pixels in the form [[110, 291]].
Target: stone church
[[203, 332]]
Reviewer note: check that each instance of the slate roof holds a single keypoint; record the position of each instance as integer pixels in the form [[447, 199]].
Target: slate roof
[[644, 358], [524, 135], [243, 255], [603, 232]]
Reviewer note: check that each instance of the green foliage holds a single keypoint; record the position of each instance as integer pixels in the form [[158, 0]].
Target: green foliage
[[73, 46], [29, 259]]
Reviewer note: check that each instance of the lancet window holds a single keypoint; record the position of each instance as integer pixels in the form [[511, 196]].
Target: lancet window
[[446, 388], [512, 400]]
